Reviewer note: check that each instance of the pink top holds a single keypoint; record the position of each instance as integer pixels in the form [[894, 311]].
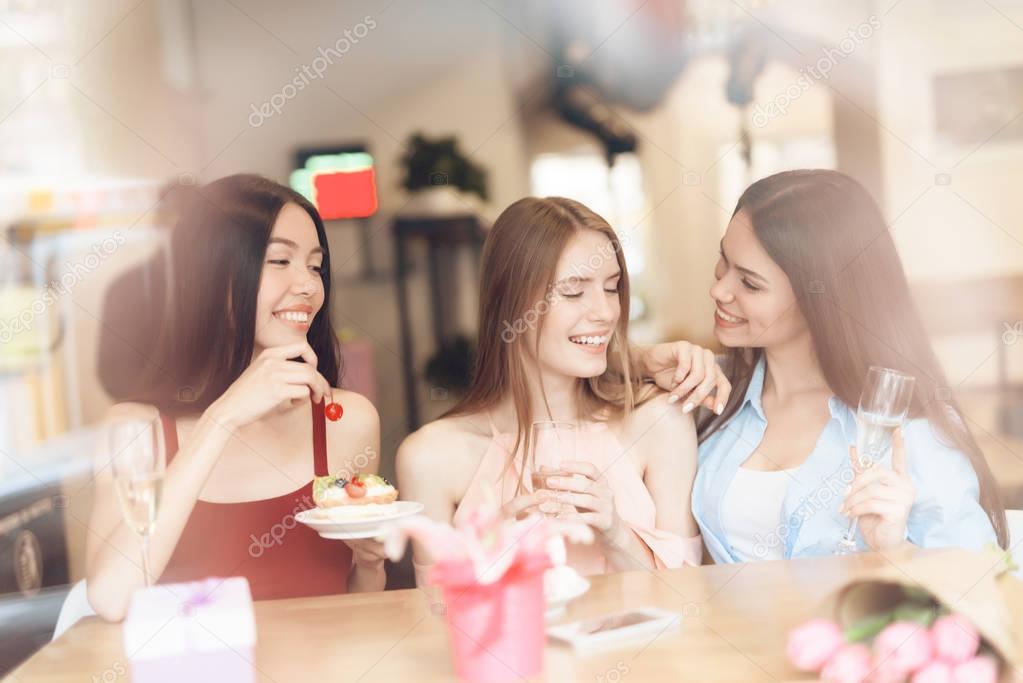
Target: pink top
[[596, 444]]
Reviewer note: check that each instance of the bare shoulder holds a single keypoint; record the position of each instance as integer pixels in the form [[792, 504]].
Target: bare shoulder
[[357, 431], [446, 433], [356, 405], [656, 420], [360, 415], [443, 442]]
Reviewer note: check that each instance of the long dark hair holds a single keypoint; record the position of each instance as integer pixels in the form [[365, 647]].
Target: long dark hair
[[217, 251], [827, 234], [517, 273]]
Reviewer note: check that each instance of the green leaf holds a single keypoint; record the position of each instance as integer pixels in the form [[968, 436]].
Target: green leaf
[[918, 614], [1002, 556], [918, 595], [868, 627]]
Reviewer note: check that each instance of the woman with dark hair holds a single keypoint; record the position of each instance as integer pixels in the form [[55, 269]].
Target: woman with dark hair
[[243, 363], [553, 346], [810, 293]]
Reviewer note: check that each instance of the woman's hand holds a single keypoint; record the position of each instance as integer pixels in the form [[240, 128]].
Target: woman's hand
[[881, 498], [586, 489], [368, 553], [270, 382], [689, 372], [368, 574], [520, 506]]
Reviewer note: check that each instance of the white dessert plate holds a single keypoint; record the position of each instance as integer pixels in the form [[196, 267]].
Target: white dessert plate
[[349, 522]]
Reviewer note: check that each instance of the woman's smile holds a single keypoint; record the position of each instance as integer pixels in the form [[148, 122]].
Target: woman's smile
[[723, 319], [298, 317]]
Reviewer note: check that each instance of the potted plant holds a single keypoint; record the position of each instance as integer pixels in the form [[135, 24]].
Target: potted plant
[[441, 178]]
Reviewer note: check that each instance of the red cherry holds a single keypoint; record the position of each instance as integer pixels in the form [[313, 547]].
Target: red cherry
[[333, 411]]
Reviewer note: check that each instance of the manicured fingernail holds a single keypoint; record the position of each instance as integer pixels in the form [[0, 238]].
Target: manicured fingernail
[[688, 407], [720, 409], [672, 399]]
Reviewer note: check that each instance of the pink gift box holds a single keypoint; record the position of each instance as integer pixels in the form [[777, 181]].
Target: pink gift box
[[497, 631], [201, 631]]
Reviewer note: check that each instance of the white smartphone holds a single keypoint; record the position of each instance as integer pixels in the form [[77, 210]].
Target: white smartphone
[[615, 628]]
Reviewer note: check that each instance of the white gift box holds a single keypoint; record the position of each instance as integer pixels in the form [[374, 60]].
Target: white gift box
[[201, 631]]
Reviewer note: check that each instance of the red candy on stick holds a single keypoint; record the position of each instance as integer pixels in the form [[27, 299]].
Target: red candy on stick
[[333, 411]]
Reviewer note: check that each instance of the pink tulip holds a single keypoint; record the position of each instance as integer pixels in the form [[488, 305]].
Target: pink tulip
[[901, 649], [887, 671], [955, 638], [851, 664], [981, 669], [813, 644], [935, 672]]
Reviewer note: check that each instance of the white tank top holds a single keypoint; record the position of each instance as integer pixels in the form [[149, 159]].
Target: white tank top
[[752, 514]]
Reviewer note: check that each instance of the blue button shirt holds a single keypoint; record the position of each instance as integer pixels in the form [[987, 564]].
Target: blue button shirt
[[946, 512]]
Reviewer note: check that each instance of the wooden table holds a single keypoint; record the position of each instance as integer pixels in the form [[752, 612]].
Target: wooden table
[[734, 628]]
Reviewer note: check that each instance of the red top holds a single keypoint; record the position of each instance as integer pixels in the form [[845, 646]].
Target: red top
[[260, 539]]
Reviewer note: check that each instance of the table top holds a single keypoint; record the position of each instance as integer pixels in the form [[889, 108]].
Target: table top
[[735, 620]]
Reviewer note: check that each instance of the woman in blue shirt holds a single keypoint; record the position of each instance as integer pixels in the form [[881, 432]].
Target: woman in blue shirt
[[810, 293]]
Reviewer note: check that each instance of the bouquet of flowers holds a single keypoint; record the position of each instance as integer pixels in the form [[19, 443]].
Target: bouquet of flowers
[[891, 628]]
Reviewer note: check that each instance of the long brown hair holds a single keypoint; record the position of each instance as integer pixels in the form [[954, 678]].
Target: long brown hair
[[517, 274], [827, 234], [217, 250]]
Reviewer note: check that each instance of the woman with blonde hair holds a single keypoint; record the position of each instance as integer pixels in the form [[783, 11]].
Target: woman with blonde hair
[[553, 346]]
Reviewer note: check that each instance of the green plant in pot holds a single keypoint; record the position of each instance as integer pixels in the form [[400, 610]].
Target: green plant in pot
[[437, 167]]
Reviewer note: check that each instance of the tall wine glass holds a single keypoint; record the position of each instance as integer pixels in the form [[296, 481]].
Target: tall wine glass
[[550, 443], [137, 463], [883, 407]]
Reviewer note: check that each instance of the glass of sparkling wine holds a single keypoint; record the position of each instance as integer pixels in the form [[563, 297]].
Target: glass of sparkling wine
[[554, 442], [137, 462], [883, 407]]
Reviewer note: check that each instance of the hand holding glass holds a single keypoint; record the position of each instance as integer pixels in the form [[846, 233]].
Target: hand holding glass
[[883, 406], [552, 442]]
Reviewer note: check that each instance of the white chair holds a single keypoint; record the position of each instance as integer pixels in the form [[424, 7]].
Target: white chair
[[1015, 519], [76, 606]]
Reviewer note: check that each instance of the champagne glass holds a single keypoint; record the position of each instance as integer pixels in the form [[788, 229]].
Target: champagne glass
[[553, 442], [883, 407], [137, 462]]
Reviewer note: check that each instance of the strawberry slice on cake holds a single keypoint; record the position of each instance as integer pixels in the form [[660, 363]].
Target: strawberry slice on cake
[[361, 489]]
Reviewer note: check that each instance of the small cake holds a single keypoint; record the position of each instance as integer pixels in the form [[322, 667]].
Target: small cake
[[361, 489]]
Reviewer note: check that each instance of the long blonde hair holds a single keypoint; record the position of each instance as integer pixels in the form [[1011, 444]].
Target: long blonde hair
[[517, 273]]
